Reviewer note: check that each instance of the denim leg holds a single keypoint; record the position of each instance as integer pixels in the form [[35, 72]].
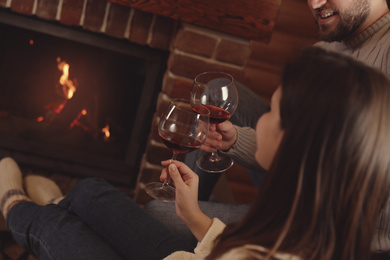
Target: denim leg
[[250, 108], [51, 232], [130, 230], [207, 180], [166, 214]]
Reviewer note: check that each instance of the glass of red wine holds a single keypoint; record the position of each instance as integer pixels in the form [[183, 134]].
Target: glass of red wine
[[217, 91], [182, 130]]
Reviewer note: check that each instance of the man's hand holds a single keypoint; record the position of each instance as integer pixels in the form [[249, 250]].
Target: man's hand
[[221, 137]]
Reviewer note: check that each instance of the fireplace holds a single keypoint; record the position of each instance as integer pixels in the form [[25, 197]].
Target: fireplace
[[73, 101], [191, 49]]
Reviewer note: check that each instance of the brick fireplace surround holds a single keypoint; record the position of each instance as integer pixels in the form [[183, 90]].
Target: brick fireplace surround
[[192, 50]]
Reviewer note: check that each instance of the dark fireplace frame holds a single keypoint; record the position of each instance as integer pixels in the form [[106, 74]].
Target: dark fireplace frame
[[45, 157]]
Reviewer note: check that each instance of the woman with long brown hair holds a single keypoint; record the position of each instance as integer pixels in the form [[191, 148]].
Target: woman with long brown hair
[[330, 176], [325, 143]]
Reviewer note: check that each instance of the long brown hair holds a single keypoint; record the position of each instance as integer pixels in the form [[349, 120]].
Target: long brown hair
[[330, 177]]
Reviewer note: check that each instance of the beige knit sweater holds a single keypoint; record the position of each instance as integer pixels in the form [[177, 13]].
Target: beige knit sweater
[[204, 247]]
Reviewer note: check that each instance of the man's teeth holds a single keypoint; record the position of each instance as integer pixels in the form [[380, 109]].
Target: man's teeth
[[326, 15]]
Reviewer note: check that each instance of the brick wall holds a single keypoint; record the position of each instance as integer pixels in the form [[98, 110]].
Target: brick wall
[[192, 50]]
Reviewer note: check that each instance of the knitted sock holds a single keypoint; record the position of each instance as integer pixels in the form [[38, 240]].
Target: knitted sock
[[42, 190], [11, 186]]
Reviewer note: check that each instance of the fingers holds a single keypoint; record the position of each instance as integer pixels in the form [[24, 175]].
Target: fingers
[[214, 136], [166, 163], [208, 149], [212, 143], [212, 127], [224, 127], [165, 173], [175, 175], [181, 168]]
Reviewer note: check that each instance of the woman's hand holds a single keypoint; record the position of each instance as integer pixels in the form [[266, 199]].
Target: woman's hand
[[186, 183], [221, 137], [187, 208]]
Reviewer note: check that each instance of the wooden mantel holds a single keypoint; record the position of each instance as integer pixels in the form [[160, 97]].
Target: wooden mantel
[[250, 19]]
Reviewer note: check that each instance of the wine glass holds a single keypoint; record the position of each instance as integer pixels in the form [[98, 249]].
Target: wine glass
[[182, 130], [217, 91]]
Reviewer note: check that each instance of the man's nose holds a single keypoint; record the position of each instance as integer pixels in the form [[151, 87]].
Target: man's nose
[[314, 4]]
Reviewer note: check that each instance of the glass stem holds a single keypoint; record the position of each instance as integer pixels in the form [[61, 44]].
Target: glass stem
[[214, 156], [166, 182]]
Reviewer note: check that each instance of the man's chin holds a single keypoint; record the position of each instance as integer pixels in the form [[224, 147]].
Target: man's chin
[[329, 36], [334, 36], [326, 38]]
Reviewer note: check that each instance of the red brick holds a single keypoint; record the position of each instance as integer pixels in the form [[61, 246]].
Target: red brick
[[156, 154], [94, 15], [154, 128], [263, 82], [162, 33], [146, 175], [177, 87], [150, 174], [167, 84], [117, 20], [195, 43], [162, 103], [139, 29], [3, 3], [182, 88], [190, 67], [47, 9], [22, 6], [71, 12], [233, 52]]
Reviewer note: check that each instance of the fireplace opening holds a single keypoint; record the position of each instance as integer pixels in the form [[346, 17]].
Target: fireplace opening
[[73, 101]]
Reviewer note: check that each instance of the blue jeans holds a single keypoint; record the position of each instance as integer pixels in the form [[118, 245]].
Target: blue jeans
[[250, 108], [95, 221], [166, 214]]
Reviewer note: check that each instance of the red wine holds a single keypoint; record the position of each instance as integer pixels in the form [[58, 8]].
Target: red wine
[[217, 115], [179, 143]]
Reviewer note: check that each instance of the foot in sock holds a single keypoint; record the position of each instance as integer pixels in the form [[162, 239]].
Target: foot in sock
[[11, 185], [42, 190]]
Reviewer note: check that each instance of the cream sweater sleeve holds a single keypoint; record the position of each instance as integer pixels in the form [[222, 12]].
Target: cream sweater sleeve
[[204, 247]]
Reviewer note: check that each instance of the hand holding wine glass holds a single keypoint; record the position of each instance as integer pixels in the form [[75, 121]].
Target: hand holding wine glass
[[182, 131], [217, 91], [220, 137]]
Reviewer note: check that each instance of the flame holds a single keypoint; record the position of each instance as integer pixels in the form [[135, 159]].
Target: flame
[[106, 132], [68, 88]]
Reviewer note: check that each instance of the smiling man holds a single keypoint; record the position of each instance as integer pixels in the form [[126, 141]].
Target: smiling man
[[338, 20], [360, 28]]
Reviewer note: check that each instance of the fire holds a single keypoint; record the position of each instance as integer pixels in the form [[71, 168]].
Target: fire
[[106, 132], [76, 121], [68, 87], [67, 90]]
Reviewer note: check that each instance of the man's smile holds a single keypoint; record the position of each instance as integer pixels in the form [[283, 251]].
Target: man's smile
[[325, 16]]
